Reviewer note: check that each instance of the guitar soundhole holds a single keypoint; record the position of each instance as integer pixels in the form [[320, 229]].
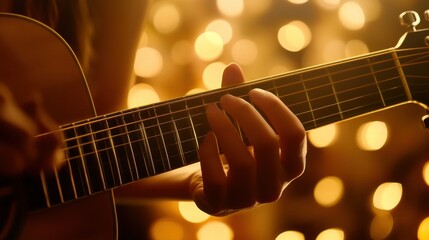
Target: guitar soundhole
[[11, 209]]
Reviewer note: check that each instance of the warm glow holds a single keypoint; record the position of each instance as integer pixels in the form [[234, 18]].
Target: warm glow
[[290, 235], [166, 229], [244, 52], [328, 4], [381, 226], [208, 46], [191, 213], [181, 52], [355, 48], [351, 15], [230, 8], [166, 18], [372, 136], [215, 230], [148, 62], [387, 196], [426, 173], [221, 27], [329, 191], [142, 94], [294, 36], [323, 136], [195, 91], [298, 1], [212, 75], [423, 231], [333, 50], [331, 234]]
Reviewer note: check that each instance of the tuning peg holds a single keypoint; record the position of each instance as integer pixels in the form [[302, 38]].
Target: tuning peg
[[426, 13], [410, 19]]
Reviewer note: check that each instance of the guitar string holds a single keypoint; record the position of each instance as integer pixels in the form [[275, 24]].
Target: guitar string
[[302, 82], [139, 110]]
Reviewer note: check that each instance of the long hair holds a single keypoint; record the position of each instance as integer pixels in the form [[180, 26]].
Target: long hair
[[69, 18]]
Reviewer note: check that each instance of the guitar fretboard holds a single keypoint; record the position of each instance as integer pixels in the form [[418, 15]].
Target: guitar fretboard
[[112, 150]]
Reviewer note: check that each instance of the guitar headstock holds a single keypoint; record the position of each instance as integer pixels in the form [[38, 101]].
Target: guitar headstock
[[414, 38]]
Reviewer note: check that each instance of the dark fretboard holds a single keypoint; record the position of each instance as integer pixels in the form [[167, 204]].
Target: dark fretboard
[[111, 150]]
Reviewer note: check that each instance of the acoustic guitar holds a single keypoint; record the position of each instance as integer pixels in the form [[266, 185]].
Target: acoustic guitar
[[104, 152]]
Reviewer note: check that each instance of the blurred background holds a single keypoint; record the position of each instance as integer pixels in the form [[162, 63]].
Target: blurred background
[[366, 178]]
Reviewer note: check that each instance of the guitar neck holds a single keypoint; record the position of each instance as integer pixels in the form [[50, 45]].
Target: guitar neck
[[109, 151]]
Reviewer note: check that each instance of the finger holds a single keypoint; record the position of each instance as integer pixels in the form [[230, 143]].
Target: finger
[[241, 173], [232, 75], [214, 178], [265, 143], [288, 127]]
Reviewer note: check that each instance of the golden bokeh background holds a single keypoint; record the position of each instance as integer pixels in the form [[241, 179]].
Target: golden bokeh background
[[366, 178]]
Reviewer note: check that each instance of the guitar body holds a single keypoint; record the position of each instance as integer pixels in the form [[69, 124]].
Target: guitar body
[[36, 61]]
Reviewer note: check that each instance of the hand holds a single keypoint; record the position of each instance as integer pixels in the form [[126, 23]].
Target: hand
[[20, 150], [252, 177]]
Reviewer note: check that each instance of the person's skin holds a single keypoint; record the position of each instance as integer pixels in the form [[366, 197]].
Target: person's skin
[[253, 177]]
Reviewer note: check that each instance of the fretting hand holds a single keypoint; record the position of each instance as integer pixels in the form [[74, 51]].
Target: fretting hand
[[252, 177], [20, 150]]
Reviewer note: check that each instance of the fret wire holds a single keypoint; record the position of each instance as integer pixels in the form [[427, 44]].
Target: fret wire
[[79, 146], [163, 142], [94, 145], [308, 101], [67, 160], [363, 106], [192, 125], [296, 114], [335, 93], [304, 80], [127, 135], [372, 64], [376, 83], [45, 188], [115, 156], [146, 143], [58, 184], [293, 105], [178, 140]]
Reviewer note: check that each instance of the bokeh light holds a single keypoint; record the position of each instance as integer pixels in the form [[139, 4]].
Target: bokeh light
[[387, 196], [212, 75], [423, 230], [329, 191], [221, 27], [215, 230], [426, 173], [294, 36], [208, 46], [244, 52], [372, 136], [230, 8], [351, 15], [328, 4], [290, 235], [323, 136], [331, 234], [142, 94], [148, 62], [191, 213], [158, 230], [298, 1], [166, 18]]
